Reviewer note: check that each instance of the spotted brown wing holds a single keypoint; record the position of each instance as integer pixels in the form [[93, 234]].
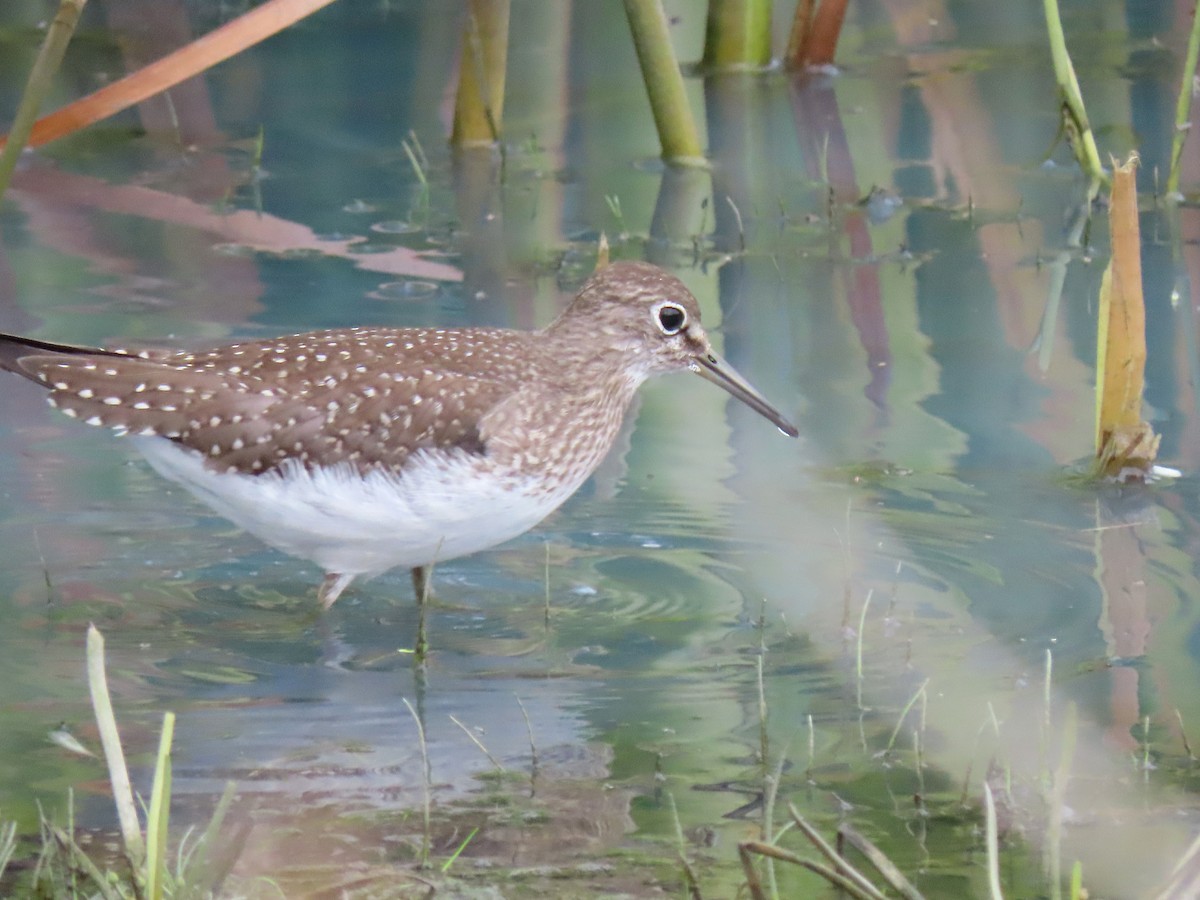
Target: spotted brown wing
[[249, 407]]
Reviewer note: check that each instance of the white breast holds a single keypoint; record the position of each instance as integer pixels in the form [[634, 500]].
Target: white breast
[[441, 506]]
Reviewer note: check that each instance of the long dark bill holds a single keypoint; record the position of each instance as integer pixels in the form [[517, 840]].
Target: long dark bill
[[713, 368]]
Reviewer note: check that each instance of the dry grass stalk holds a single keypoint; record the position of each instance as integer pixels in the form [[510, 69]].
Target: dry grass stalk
[[814, 34], [1125, 444]]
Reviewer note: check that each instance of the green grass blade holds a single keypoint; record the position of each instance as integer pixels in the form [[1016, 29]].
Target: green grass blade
[[920, 692], [160, 810], [79, 861], [426, 786], [993, 845], [8, 844], [1183, 105], [461, 847], [199, 865]]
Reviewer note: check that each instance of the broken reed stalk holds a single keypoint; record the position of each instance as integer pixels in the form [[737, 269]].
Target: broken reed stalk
[[1074, 115], [203, 53], [754, 883], [533, 755], [737, 35], [879, 860], [814, 35], [114, 755], [478, 743], [1125, 445], [1183, 104], [664, 83], [860, 882], [58, 35], [482, 68], [840, 872], [1185, 876], [602, 252]]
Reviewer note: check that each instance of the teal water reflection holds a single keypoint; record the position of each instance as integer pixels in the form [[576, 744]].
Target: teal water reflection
[[935, 344]]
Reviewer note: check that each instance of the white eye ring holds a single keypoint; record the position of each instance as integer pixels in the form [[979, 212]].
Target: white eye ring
[[671, 318]]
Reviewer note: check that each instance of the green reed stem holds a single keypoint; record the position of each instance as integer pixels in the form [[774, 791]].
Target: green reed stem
[[479, 104], [1075, 119], [159, 813], [1183, 104], [58, 35], [1077, 881], [737, 34], [664, 83]]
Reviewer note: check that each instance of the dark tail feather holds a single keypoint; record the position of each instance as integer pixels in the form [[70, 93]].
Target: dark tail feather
[[14, 348]]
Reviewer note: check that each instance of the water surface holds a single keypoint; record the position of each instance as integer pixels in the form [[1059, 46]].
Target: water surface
[[935, 344]]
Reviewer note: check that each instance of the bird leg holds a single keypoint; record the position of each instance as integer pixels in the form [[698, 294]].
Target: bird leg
[[420, 580], [420, 583], [332, 587]]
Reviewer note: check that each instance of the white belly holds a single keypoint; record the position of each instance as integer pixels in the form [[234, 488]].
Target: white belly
[[438, 509]]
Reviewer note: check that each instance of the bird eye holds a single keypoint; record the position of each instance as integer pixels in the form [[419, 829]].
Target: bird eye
[[672, 319]]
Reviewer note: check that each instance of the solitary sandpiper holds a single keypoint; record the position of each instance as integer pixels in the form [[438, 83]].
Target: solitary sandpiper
[[363, 449]]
